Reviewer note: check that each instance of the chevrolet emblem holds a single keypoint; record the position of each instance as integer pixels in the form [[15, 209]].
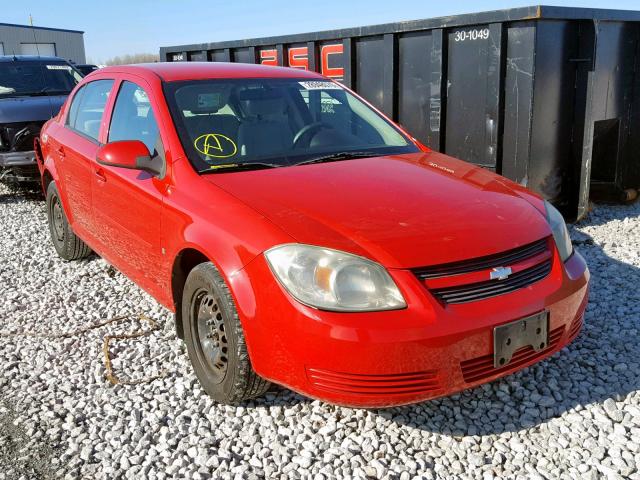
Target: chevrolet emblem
[[500, 273]]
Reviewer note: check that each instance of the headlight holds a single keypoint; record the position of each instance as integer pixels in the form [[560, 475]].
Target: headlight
[[559, 230], [333, 280]]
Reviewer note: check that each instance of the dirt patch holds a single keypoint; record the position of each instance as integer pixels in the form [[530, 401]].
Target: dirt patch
[[20, 457]]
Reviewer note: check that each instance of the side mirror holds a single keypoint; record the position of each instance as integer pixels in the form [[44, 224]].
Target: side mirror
[[132, 154]]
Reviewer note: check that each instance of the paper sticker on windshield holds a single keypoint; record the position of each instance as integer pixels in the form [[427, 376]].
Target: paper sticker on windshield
[[320, 85], [215, 145], [59, 67]]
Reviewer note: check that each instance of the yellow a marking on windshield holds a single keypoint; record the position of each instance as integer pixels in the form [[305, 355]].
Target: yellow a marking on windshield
[[215, 145], [212, 141]]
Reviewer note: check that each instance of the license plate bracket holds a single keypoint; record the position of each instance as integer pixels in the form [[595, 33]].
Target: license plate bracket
[[530, 331]]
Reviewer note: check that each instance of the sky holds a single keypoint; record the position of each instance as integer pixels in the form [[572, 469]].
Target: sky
[[118, 27]]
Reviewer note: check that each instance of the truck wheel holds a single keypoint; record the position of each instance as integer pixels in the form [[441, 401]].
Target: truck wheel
[[68, 245], [215, 340]]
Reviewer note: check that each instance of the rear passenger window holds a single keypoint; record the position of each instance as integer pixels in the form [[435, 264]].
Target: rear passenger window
[[133, 118], [73, 109], [87, 106]]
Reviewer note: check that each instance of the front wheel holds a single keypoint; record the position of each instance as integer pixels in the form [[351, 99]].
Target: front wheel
[[68, 245], [215, 340]]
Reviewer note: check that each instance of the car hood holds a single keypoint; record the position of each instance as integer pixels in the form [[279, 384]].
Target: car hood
[[30, 109], [403, 211]]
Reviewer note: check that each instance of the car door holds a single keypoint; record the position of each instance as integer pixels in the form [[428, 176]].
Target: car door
[[76, 144], [127, 203]]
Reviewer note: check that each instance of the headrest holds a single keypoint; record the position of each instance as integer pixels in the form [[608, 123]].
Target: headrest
[[262, 101]]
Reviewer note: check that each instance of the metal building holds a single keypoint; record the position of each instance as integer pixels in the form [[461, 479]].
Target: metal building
[[45, 41], [547, 96]]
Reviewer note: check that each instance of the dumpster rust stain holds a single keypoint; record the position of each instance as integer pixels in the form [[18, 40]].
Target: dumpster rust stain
[[537, 15]]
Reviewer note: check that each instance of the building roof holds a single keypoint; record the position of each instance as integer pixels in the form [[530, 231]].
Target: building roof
[[40, 28], [30, 58]]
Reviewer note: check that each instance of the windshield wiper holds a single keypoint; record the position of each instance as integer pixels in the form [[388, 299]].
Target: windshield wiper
[[235, 167], [51, 91], [41, 93], [21, 94], [335, 157]]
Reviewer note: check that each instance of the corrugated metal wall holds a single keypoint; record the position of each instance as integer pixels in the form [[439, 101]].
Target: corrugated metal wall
[[68, 44], [547, 96]]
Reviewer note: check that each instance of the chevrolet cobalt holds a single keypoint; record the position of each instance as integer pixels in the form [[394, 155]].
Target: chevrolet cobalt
[[303, 238]]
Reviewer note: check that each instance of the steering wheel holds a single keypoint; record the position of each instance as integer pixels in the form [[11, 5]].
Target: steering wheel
[[306, 131]]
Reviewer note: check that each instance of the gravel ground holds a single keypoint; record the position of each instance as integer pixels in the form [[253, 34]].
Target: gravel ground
[[575, 415]]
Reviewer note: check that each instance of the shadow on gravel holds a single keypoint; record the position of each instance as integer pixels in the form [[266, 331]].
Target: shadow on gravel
[[601, 363], [15, 194]]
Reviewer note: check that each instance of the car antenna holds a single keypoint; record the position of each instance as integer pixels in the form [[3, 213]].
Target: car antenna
[[33, 30], [35, 42]]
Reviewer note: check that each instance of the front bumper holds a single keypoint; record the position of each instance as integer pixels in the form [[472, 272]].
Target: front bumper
[[18, 166], [398, 357], [12, 159]]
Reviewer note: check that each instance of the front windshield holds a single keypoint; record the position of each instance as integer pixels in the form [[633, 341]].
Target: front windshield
[[27, 78], [276, 122]]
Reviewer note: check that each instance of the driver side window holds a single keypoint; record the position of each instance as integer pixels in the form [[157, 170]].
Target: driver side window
[[133, 118]]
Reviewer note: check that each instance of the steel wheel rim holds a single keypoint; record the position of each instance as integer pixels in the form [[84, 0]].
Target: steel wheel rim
[[57, 219], [212, 340]]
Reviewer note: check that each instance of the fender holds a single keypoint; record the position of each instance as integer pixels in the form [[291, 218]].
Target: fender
[[240, 286], [190, 223], [170, 296], [40, 163], [187, 225], [49, 168], [47, 165], [217, 248]]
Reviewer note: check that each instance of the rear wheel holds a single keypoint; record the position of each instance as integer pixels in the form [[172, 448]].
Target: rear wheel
[[215, 340], [68, 245]]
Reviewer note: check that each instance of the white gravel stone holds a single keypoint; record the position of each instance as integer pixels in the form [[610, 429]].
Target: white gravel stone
[[612, 410], [575, 415]]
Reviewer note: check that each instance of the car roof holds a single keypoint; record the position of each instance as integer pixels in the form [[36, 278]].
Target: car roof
[[30, 58], [175, 71]]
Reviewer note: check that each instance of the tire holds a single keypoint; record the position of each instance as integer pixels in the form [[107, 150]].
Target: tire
[[215, 340], [68, 245]]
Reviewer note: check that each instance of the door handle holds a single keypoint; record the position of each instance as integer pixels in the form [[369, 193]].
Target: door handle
[[100, 174], [60, 151]]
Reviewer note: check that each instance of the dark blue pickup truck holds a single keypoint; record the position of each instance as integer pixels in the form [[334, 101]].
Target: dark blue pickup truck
[[32, 90]]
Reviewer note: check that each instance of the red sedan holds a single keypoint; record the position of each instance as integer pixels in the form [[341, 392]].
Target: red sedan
[[302, 238]]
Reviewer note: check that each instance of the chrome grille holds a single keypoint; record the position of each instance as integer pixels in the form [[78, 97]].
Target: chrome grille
[[464, 281], [502, 259], [481, 290]]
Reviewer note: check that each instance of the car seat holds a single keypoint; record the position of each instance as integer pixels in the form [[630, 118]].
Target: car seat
[[265, 130]]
